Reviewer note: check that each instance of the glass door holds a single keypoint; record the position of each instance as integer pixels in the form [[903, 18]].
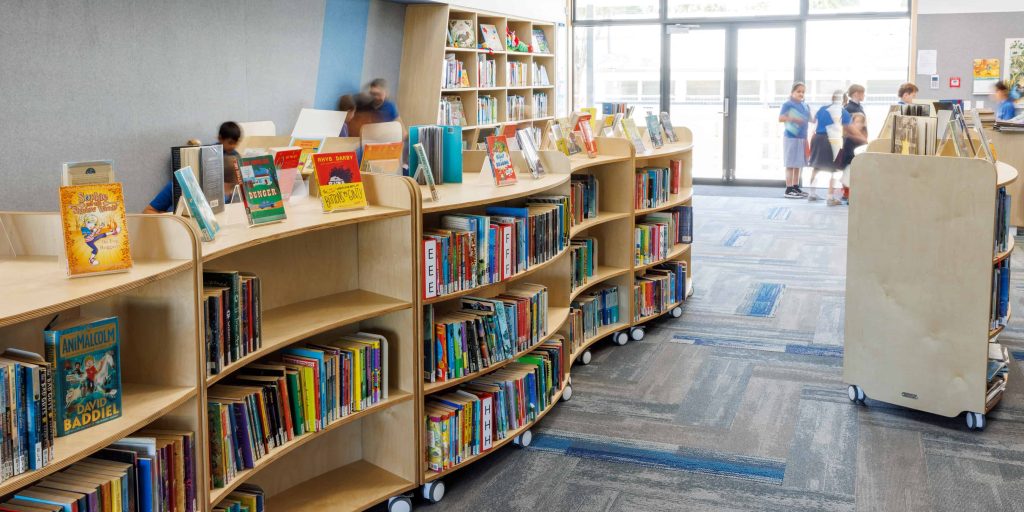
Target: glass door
[[696, 91], [765, 70]]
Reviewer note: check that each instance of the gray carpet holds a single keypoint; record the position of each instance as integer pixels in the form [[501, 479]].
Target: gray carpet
[[740, 404]]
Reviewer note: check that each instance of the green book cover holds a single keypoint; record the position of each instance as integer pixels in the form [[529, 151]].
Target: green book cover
[[216, 444], [261, 191], [295, 397]]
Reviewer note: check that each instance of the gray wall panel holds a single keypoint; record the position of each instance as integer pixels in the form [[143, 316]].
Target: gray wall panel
[[128, 79], [384, 33]]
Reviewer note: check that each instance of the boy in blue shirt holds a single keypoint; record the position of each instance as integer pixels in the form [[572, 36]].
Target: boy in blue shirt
[[1006, 110], [228, 136]]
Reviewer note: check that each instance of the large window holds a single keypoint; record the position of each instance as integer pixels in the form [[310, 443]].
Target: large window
[[732, 8], [617, 64], [615, 9], [853, 6]]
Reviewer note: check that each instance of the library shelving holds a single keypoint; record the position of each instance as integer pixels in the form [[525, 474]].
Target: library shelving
[[425, 46], [919, 317], [323, 275], [156, 303], [473, 196]]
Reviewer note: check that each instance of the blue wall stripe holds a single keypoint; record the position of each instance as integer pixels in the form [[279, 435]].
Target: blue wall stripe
[[341, 50]]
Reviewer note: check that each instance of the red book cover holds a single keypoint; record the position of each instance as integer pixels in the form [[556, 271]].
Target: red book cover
[[501, 160], [676, 172], [287, 159], [282, 388], [583, 126]]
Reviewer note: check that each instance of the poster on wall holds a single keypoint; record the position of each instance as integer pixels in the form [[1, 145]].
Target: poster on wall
[[986, 74], [1013, 75]]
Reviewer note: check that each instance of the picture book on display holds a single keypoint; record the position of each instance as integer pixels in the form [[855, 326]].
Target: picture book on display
[[490, 39], [501, 161], [528, 145], [309, 146], [424, 171], [261, 193], [382, 157], [460, 34], [654, 130], [88, 173], [86, 358], [666, 126], [540, 41], [339, 181], [633, 134], [198, 208], [582, 125], [95, 231], [286, 160]]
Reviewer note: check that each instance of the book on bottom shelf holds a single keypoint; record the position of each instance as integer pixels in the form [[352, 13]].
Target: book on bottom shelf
[[246, 498], [471, 419], [598, 308], [28, 420], [659, 289]]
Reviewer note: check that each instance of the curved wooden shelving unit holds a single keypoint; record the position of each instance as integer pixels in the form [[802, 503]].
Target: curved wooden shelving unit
[[580, 162], [667, 309], [478, 190], [674, 200], [603, 274], [605, 330], [1005, 174], [483, 289], [556, 318], [216, 495], [1005, 254], [602, 218], [677, 251], [358, 485]]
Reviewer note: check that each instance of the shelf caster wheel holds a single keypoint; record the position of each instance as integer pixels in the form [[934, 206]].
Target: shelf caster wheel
[[677, 312], [856, 394], [523, 440], [637, 333], [620, 338], [975, 421], [433, 491], [567, 393], [586, 357], [399, 504]]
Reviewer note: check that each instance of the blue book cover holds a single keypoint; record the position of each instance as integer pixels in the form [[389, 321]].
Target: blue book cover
[[318, 356], [507, 211], [451, 167], [32, 408], [197, 204], [68, 507], [1004, 289], [243, 439], [86, 358], [145, 484], [492, 255], [21, 457]]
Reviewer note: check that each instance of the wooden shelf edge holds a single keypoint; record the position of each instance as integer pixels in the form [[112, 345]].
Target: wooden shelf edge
[[676, 252], [579, 163], [552, 180], [355, 486], [667, 310], [666, 150], [1005, 254], [560, 314], [216, 495], [601, 333], [388, 305], [598, 279], [88, 442], [602, 218], [430, 476], [679, 199], [486, 287]]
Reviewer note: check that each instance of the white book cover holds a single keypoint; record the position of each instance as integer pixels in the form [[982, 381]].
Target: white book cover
[[429, 268], [486, 426], [506, 256]]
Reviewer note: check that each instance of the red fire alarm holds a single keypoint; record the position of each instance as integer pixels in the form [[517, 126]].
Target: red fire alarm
[[954, 82]]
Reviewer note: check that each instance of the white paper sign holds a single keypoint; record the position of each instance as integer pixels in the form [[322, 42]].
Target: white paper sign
[[927, 62], [318, 123]]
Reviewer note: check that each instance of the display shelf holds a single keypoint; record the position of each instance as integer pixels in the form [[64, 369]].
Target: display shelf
[[556, 318], [678, 250], [141, 404], [355, 486], [430, 476], [602, 217], [581, 162], [288, 324], [683, 197], [602, 274], [477, 189], [395, 397]]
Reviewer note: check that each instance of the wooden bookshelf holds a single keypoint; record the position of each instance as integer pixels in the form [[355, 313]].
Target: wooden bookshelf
[[156, 303], [918, 317], [324, 274], [425, 45]]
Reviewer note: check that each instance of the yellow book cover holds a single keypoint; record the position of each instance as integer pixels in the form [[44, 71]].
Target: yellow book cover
[[95, 234], [248, 500], [339, 180], [309, 146]]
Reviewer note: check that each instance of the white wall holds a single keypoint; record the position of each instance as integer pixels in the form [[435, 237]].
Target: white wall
[[968, 6]]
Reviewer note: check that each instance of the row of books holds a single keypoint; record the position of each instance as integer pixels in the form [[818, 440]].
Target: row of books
[[486, 71], [468, 251], [597, 309], [998, 373], [1002, 235], [486, 109], [472, 419], [659, 289], [268, 404], [451, 111], [454, 73], [483, 332], [232, 317], [583, 190], [29, 419], [517, 74], [151, 471], [516, 108], [540, 75], [914, 134], [612, 108], [442, 149], [583, 260], [654, 237], [652, 187], [246, 498], [999, 311], [540, 104]]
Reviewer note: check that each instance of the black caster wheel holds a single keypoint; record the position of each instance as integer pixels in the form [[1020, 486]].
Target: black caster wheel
[[856, 394], [585, 357], [523, 440], [975, 421], [620, 338], [637, 333], [567, 393], [433, 491], [399, 504]]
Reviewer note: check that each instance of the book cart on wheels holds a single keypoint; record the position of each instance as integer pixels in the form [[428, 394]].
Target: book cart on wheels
[[156, 303], [922, 303], [325, 274]]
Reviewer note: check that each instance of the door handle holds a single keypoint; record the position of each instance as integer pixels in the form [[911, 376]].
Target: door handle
[[725, 107]]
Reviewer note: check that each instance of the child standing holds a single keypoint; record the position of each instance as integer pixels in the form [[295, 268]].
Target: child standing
[[833, 122], [795, 114], [1006, 109]]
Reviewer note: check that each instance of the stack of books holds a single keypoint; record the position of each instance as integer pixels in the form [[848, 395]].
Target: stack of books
[[455, 74], [540, 104], [540, 75], [483, 332], [486, 71], [583, 262], [516, 107], [151, 471], [998, 373], [302, 391], [246, 498], [654, 236], [451, 112], [1000, 308], [597, 309], [474, 250], [517, 74], [486, 110], [659, 289], [583, 191], [232, 317], [652, 187], [29, 418], [469, 421]]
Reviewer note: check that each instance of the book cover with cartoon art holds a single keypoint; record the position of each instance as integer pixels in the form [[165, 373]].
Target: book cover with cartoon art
[[339, 181], [86, 357], [95, 232], [261, 192], [501, 161]]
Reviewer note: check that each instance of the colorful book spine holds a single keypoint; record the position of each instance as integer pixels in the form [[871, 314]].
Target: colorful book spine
[[596, 309], [233, 317]]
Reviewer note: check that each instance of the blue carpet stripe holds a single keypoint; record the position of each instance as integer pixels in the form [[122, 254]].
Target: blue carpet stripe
[[789, 348], [749, 468], [778, 213], [736, 238], [1018, 355], [762, 301]]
